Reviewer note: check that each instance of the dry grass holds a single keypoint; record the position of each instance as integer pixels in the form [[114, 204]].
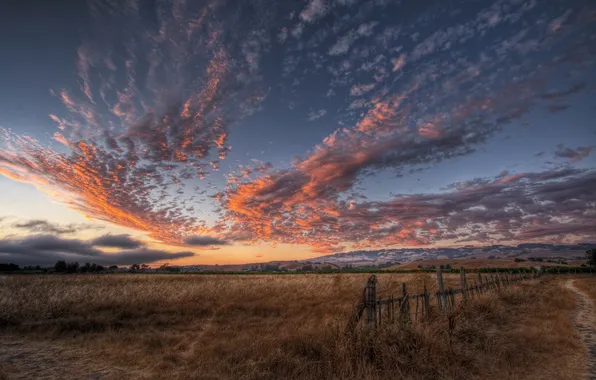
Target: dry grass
[[281, 327], [588, 285]]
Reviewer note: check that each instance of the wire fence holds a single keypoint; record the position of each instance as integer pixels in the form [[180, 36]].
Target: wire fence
[[408, 308]]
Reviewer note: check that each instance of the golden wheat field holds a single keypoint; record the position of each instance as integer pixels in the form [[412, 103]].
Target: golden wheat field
[[274, 327]]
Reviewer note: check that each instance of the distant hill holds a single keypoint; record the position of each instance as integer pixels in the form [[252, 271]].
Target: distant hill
[[410, 255], [411, 258]]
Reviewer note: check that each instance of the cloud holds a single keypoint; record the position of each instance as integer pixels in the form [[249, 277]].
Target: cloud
[[314, 115], [399, 62], [117, 241], [344, 43], [361, 89], [43, 226], [446, 109], [200, 241], [288, 209], [130, 143], [572, 154], [50, 243], [157, 104], [47, 249], [314, 11]]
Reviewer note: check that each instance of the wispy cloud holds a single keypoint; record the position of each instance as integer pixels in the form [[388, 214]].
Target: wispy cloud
[[314, 115], [44, 226], [572, 154]]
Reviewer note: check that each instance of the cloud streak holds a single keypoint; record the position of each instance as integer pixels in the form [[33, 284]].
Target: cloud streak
[[47, 249], [44, 226], [201, 241], [117, 241]]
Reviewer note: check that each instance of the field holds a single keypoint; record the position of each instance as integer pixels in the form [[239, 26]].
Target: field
[[275, 327]]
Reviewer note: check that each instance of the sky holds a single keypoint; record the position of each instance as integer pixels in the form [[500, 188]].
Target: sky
[[203, 132]]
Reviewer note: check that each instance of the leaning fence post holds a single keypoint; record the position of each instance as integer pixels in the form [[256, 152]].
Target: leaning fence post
[[371, 302]]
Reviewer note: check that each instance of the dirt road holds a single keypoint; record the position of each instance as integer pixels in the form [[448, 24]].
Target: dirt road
[[585, 320]]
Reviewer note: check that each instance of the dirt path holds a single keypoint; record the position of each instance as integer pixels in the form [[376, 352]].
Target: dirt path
[[585, 320]]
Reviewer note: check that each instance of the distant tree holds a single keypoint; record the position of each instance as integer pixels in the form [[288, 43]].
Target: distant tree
[[9, 267], [113, 267], [60, 266], [85, 268], [448, 267], [144, 266], [442, 266], [518, 260], [591, 256], [135, 267], [94, 268], [72, 267], [164, 266]]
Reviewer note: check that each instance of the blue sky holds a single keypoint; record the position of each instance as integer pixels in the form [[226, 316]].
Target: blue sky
[[282, 130]]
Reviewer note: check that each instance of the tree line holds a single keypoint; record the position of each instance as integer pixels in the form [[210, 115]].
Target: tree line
[[62, 266]]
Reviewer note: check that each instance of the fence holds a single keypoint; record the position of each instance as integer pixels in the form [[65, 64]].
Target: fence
[[407, 308]]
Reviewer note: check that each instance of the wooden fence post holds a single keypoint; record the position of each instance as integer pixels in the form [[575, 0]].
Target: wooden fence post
[[416, 312], [426, 307], [464, 283], [406, 304], [371, 302], [440, 294]]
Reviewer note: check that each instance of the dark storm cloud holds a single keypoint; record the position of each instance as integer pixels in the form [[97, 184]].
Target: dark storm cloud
[[47, 249], [198, 240], [47, 243], [117, 241]]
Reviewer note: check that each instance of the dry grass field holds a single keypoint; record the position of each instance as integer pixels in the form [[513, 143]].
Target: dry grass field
[[588, 285], [273, 327]]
